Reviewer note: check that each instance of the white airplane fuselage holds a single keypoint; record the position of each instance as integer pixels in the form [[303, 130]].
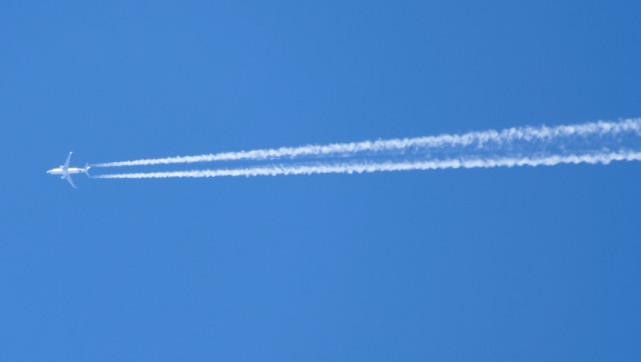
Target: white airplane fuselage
[[70, 170]]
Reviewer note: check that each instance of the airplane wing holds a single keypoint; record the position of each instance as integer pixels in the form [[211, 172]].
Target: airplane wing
[[66, 166], [68, 177]]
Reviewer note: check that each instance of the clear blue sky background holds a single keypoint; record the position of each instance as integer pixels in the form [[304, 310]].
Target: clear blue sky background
[[486, 265]]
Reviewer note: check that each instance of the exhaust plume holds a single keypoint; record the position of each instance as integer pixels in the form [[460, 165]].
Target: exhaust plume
[[275, 170], [590, 143]]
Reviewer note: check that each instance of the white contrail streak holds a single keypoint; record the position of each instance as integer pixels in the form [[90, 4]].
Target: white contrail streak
[[349, 168], [486, 139]]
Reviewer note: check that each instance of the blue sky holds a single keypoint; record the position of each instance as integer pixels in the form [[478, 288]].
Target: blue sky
[[497, 265]]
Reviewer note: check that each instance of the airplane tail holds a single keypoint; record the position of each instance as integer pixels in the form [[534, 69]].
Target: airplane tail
[[86, 170]]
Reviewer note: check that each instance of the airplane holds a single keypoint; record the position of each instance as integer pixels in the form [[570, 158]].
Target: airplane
[[65, 171]]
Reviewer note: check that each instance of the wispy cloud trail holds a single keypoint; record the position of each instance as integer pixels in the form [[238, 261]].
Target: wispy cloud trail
[[590, 143], [369, 167], [488, 140]]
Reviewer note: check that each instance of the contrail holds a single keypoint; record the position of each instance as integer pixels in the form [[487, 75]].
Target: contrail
[[365, 167], [489, 139], [591, 143]]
